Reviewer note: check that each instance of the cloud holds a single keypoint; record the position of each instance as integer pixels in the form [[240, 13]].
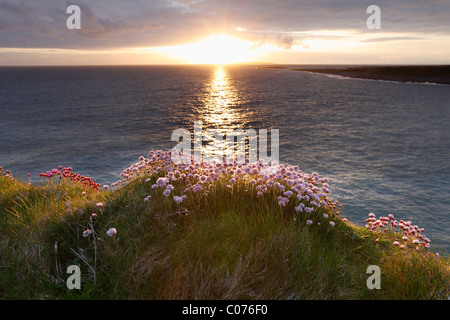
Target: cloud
[[284, 41], [384, 39], [97, 27], [14, 8], [143, 23], [280, 41]]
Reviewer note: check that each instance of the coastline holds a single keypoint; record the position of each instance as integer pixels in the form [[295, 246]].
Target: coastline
[[412, 74]]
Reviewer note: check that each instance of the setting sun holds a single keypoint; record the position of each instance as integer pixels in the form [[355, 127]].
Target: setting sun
[[217, 49]]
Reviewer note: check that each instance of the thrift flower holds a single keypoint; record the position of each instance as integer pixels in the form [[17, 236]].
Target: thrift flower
[[282, 201], [288, 193], [111, 232], [86, 233], [178, 199]]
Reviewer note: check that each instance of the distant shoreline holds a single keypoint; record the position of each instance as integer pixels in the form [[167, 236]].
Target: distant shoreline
[[416, 74]]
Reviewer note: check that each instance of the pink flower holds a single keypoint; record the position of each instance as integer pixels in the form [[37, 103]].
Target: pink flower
[[178, 199], [111, 232], [282, 201], [99, 205], [86, 233], [161, 182], [288, 193], [308, 210]]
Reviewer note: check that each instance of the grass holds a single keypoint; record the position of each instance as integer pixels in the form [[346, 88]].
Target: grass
[[228, 243]]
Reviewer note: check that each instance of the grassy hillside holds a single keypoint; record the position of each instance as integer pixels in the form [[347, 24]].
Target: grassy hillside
[[203, 232]]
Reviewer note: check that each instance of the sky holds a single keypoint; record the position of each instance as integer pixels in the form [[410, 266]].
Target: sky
[[135, 32]]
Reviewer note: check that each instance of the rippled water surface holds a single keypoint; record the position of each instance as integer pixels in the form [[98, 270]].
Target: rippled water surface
[[385, 146]]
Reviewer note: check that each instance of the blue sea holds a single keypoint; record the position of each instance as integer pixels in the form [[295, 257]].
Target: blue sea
[[385, 146]]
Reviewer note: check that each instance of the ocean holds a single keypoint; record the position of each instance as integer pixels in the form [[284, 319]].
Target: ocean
[[385, 146]]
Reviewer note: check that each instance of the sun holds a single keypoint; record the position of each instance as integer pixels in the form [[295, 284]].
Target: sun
[[217, 49]]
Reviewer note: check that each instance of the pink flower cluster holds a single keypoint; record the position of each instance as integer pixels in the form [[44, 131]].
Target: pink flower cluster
[[6, 174], [66, 173], [412, 234], [287, 184]]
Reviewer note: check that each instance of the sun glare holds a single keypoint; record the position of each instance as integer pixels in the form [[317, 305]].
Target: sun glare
[[217, 49]]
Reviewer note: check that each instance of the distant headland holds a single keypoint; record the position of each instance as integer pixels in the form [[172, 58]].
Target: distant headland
[[422, 74]]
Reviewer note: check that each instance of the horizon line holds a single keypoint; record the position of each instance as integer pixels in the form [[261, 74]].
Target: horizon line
[[227, 64]]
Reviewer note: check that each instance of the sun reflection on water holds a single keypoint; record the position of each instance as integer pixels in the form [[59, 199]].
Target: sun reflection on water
[[220, 103], [221, 109]]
